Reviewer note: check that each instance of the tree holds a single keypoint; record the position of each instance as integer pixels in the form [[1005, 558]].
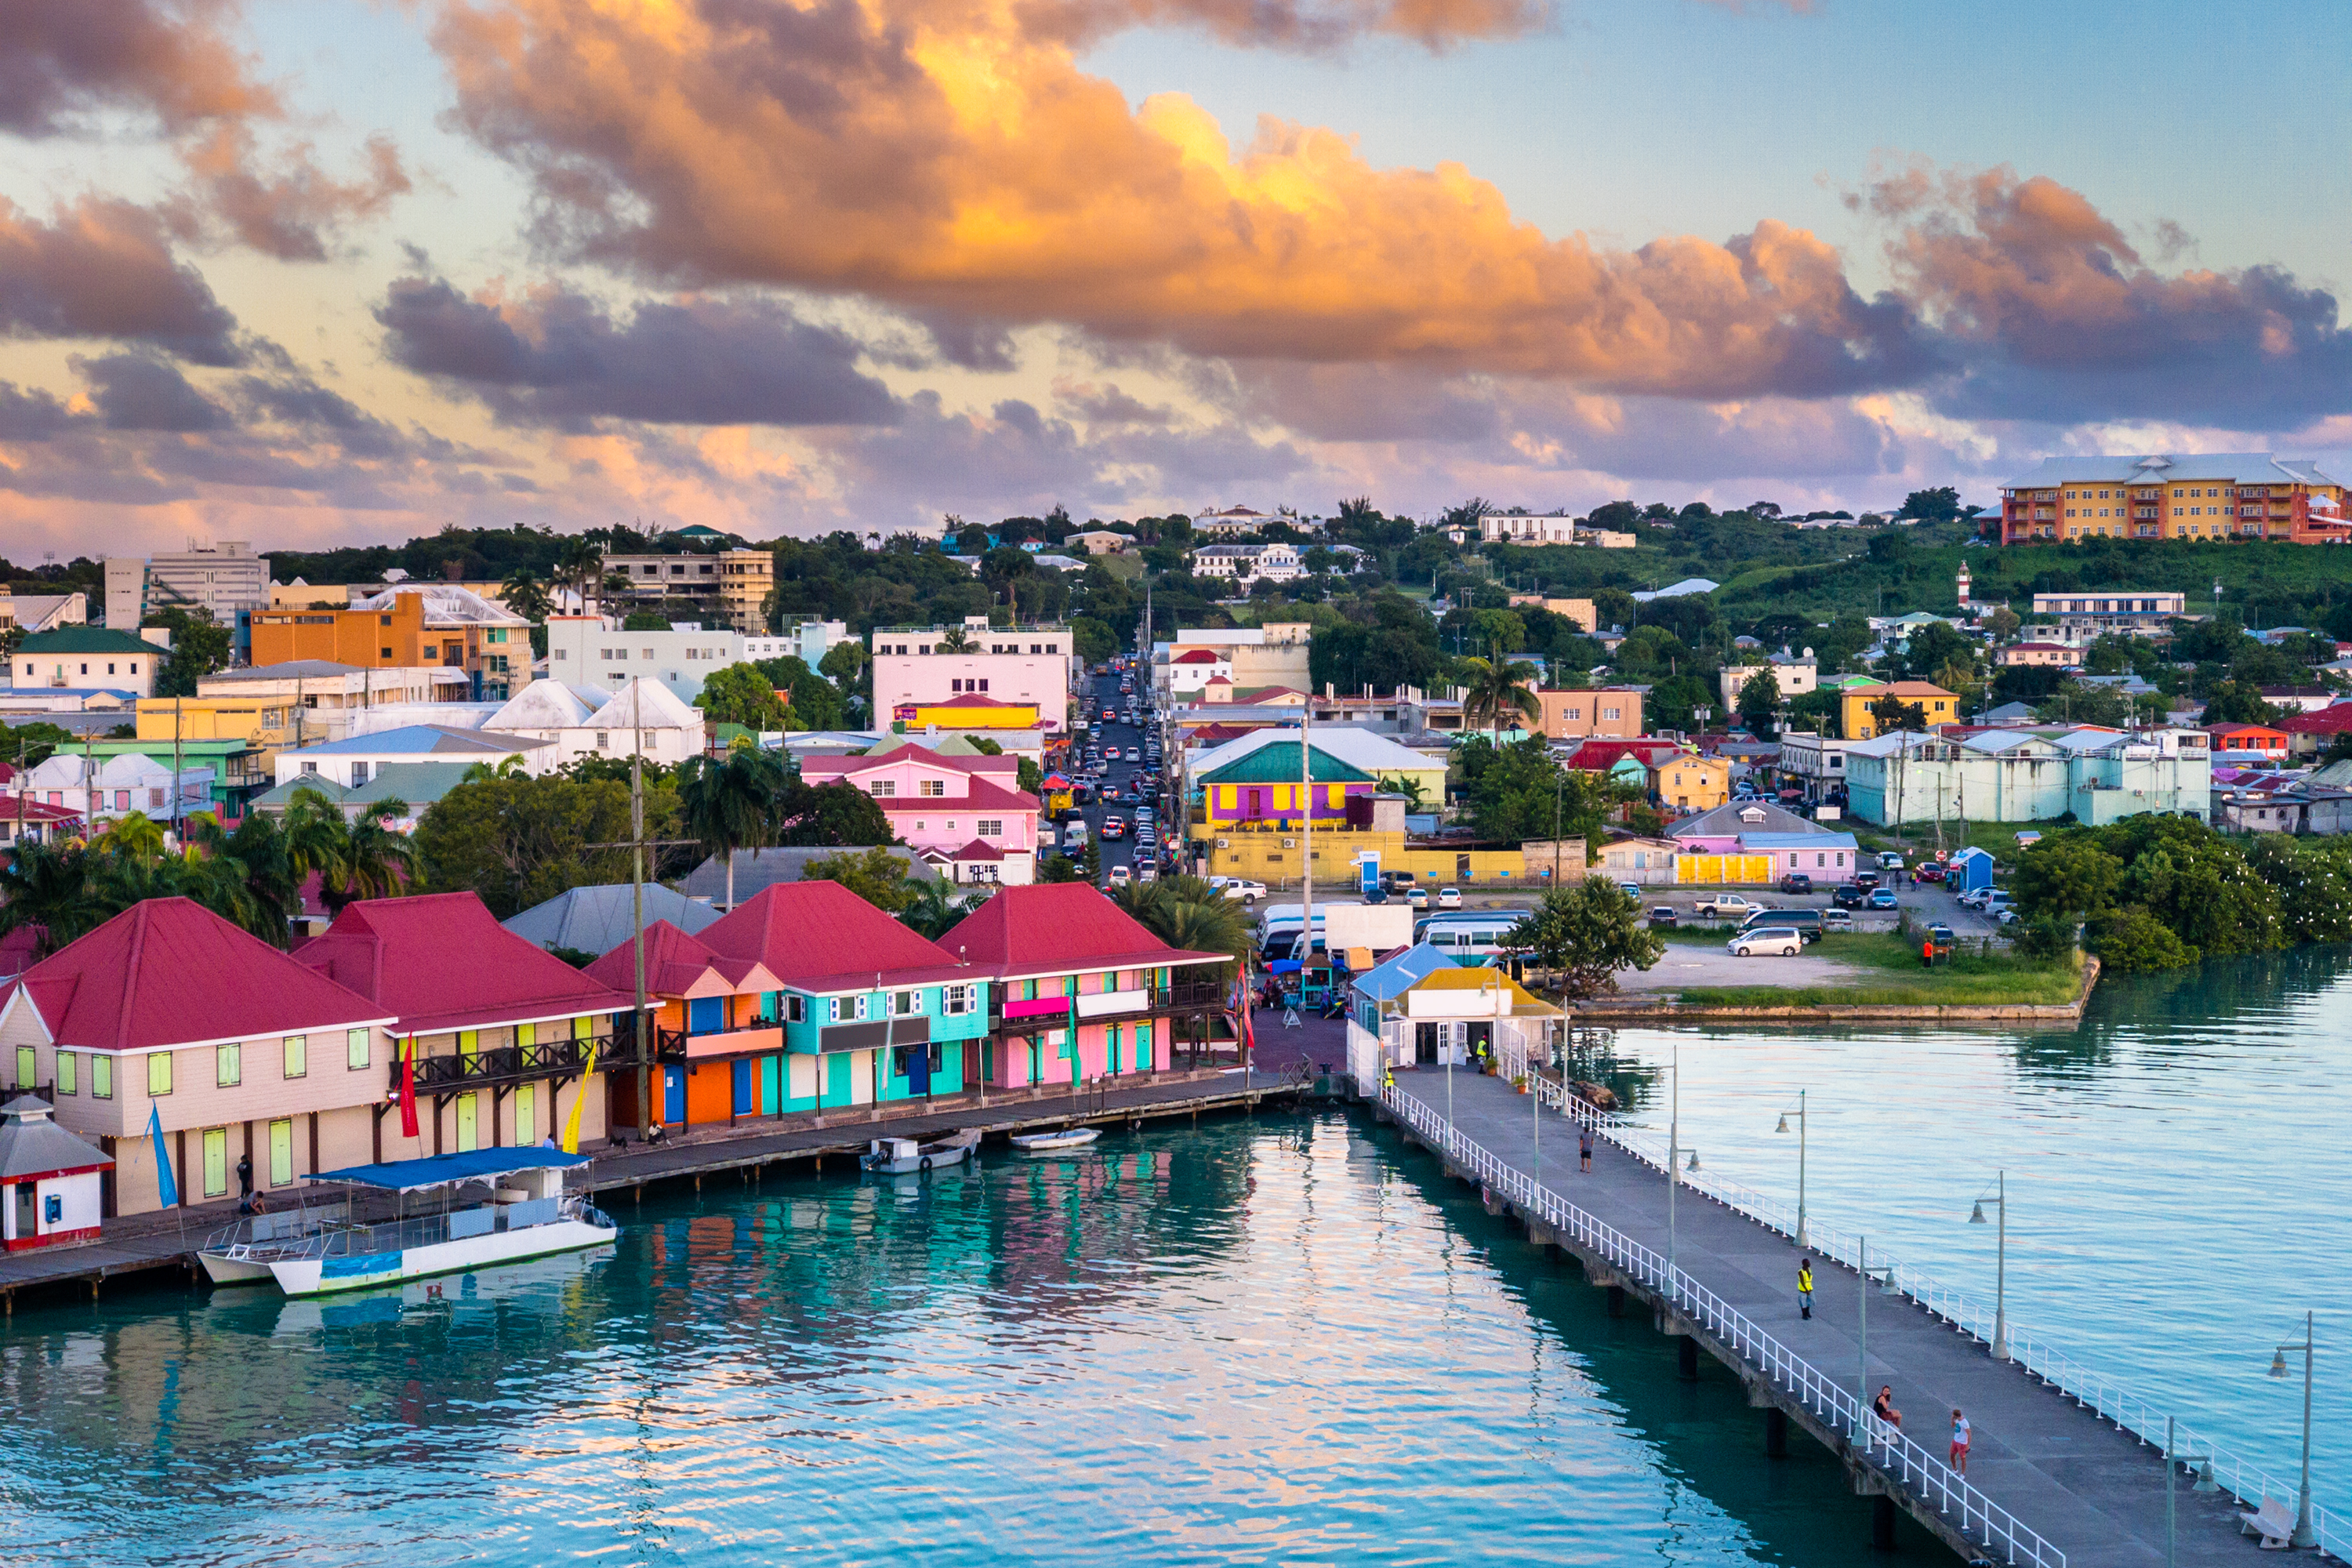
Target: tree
[[1586, 933], [1027, 779], [1760, 702], [199, 647], [1092, 639], [845, 664], [741, 694], [2232, 702], [1889, 549], [1941, 504], [875, 875], [1415, 793], [1674, 703], [2003, 623], [518, 841], [30, 746], [730, 804], [817, 702], [525, 594], [645, 621], [1185, 912], [1518, 791], [936, 907], [1891, 713], [2134, 941], [1060, 867], [1494, 687], [955, 640], [2065, 876], [833, 813]]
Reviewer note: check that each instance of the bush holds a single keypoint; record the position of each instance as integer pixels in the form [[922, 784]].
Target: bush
[[2044, 936], [2133, 941]]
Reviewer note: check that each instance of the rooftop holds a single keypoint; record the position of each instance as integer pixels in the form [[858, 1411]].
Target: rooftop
[[595, 919], [820, 936], [439, 962], [1058, 928], [426, 740], [88, 640]]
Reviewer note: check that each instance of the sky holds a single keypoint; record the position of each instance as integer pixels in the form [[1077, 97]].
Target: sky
[[315, 272]]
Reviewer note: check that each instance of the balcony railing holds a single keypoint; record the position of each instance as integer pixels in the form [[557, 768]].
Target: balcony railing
[[497, 1067]]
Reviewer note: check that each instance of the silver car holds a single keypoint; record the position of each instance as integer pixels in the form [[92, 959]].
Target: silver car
[[1767, 941]]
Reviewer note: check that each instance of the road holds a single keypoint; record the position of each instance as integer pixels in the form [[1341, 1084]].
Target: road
[[1103, 693]]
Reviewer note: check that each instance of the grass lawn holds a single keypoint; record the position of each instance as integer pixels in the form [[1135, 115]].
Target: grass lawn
[[1895, 979], [1127, 566]]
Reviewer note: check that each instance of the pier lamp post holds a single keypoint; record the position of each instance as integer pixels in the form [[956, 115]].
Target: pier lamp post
[[2303, 1536], [1999, 1198], [1674, 1147], [1867, 1277], [2173, 1459], [1801, 1241]]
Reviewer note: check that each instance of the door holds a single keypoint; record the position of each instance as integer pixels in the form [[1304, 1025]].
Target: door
[[1110, 1051], [1424, 1044], [469, 1131], [768, 1088], [216, 1162], [1481, 1038], [526, 1116], [673, 1094], [28, 1214], [743, 1086], [281, 1154], [918, 1069], [863, 1067], [973, 1069]]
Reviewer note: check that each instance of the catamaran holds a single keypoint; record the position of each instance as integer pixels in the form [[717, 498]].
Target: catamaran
[[526, 1213]]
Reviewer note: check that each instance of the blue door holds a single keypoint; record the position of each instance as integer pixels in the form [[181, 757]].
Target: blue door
[[674, 1093], [919, 1071], [704, 1015], [743, 1106]]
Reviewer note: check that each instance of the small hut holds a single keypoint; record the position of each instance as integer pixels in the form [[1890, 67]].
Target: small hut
[[50, 1179]]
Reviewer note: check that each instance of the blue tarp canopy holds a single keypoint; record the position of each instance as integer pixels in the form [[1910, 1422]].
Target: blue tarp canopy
[[446, 1170]]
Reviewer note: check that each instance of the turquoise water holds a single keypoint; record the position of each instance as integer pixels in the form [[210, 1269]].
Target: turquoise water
[[2180, 1175], [1249, 1342]]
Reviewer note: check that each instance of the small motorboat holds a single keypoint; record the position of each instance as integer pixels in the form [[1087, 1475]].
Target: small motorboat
[[897, 1156], [1055, 1143]]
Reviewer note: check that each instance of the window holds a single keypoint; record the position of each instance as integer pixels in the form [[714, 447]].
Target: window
[[102, 1077], [988, 828], [848, 1009], [298, 1056], [228, 1063], [884, 788], [359, 773], [158, 1073], [65, 1072], [28, 1067], [906, 1004], [795, 1009], [955, 1001], [355, 1049], [931, 786]]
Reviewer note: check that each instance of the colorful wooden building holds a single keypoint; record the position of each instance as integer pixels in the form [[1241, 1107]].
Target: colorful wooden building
[[1084, 989], [714, 1031]]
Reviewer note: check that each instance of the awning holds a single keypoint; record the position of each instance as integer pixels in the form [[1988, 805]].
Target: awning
[[447, 1169]]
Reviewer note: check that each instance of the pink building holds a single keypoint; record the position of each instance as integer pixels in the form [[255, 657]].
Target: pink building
[[961, 813], [915, 669], [1082, 989]]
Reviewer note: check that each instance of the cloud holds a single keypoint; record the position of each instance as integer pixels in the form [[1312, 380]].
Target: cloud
[[951, 157], [287, 208], [1310, 25], [557, 357], [133, 391], [104, 268]]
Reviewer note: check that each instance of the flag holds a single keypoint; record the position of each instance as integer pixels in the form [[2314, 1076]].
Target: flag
[[167, 1189], [408, 1088], [572, 1122]]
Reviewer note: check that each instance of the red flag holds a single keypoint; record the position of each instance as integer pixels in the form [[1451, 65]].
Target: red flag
[[408, 1088]]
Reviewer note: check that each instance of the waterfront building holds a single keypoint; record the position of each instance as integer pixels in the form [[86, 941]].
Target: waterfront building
[[1434, 1015], [52, 1183], [88, 659], [871, 1012], [169, 1016], [960, 813], [715, 1033], [1082, 990], [503, 1036], [2030, 774], [2209, 496]]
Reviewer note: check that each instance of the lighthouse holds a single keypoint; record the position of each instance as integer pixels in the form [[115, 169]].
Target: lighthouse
[[1964, 585]]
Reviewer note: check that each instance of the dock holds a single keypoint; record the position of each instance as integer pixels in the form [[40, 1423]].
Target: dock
[[157, 1243], [2054, 1479]]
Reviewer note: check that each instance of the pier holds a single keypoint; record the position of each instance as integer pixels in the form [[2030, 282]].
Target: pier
[[167, 1241], [2057, 1476]]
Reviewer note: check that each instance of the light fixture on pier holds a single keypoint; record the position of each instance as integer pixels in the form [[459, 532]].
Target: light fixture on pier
[[1976, 1214], [1694, 1161], [1784, 1125]]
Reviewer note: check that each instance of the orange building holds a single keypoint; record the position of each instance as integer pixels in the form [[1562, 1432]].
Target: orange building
[[2238, 496], [1612, 713], [436, 625]]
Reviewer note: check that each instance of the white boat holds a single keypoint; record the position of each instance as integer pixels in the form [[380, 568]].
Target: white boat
[[230, 1254], [526, 1215], [1048, 1142], [897, 1156]]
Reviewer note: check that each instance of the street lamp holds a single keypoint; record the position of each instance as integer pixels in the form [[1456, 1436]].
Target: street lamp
[[2303, 1535], [2173, 1459], [2000, 1200], [1884, 1279], [1800, 1163]]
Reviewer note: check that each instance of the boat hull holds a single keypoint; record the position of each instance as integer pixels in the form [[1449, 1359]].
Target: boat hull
[[912, 1163], [362, 1271], [1055, 1143], [223, 1269]]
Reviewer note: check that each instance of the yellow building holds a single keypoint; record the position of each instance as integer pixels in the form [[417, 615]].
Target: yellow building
[[1688, 783], [972, 712], [2237, 496], [1276, 858], [1940, 706]]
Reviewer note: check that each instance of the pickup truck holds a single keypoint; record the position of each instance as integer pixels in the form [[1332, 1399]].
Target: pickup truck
[[1725, 906]]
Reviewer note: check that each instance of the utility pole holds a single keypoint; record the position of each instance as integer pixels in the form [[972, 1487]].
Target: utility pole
[[1306, 846], [637, 908]]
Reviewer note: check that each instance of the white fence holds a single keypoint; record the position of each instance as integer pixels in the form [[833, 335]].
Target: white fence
[[2088, 1386], [1920, 1473]]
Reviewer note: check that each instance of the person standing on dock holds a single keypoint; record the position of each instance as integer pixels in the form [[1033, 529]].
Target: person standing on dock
[[1805, 1290], [1960, 1443], [1584, 1148]]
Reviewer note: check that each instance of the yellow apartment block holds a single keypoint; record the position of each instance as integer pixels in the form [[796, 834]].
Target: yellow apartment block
[[1278, 858]]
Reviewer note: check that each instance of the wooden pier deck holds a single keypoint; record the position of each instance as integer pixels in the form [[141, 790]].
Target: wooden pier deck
[[149, 1244], [2048, 1482]]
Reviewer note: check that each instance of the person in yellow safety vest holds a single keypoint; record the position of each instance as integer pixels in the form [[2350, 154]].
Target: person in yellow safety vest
[[1805, 1287], [1388, 1080]]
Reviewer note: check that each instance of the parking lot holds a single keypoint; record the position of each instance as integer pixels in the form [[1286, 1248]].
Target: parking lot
[[1710, 963]]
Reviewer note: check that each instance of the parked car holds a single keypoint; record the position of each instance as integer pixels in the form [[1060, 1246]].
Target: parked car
[[1724, 906], [2006, 916], [1837, 920], [1248, 893], [1866, 879], [1631, 889], [1850, 898], [1986, 899], [1890, 860], [1417, 897], [1767, 941], [1449, 898], [1376, 895], [1151, 873], [1796, 882], [1881, 897], [1931, 871], [1806, 923], [1663, 918]]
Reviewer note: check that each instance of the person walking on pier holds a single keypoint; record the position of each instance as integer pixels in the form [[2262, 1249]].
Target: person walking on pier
[[1584, 1148], [1805, 1288], [1960, 1443]]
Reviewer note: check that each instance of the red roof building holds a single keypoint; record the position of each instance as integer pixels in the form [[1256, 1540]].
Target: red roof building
[[1084, 990], [711, 1011], [937, 803], [2307, 734], [498, 1026], [170, 1014], [39, 821], [821, 938]]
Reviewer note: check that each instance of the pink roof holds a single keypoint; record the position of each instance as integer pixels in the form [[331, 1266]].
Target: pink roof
[[973, 700], [820, 936], [678, 963], [1057, 928], [1198, 655], [441, 962], [848, 767], [169, 971], [25, 809], [985, 794], [2332, 720], [978, 849]]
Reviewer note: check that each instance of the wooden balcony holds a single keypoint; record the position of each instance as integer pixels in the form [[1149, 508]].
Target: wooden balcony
[[500, 1067]]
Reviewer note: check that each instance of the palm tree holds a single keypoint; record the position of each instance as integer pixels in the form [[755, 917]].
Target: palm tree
[[1186, 912], [377, 862], [317, 840], [133, 836], [730, 804], [578, 566], [525, 594], [938, 906], [1495, 688], [955, 640]]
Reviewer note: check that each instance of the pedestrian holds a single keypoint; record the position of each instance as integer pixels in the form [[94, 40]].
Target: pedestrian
[[1805, 1288], [1584, 1148], [1884, 1405], [244, 1177], [1960, 1443]]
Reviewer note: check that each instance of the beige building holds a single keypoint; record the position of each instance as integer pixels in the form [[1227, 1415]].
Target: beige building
[[730, 585], [1577, 713]]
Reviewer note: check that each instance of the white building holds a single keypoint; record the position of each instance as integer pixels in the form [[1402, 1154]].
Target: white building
[[1517, 529], [221, 579], [356, 759], [591, 650], [1243, 564], [586, 721], [1812, 763], [914, 667], [104, 788], [1190, 671], [1233, 520], [1795, 677]]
